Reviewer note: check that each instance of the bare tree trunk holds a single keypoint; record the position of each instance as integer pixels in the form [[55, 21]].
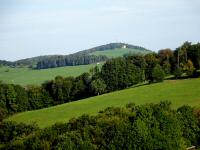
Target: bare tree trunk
[[178, 58], [186, 59]]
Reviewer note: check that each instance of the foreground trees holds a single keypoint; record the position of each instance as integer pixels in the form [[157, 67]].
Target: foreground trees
[[149, 126]]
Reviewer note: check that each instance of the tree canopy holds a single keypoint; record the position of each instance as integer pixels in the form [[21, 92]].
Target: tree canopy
[[149, 126]]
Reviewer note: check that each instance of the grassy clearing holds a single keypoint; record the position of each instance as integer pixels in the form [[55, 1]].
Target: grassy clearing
[[179, 92], [25, 76], [119, 52]]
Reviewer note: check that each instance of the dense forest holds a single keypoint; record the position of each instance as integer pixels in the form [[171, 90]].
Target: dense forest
[[149, 126], [80, 58], [69, 60]]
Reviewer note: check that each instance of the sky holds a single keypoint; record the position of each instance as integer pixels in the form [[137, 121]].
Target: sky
[[43, 27]]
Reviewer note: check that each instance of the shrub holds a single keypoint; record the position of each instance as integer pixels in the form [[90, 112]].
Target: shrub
[[158, 74], [178, 72], [189, 68]]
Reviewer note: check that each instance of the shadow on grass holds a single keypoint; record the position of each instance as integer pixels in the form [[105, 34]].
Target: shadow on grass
[[171, 77], [142, 84], [195, 75], [138, 85]]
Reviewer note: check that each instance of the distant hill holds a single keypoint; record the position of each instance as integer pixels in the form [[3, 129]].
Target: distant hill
[[116, 50], [89, 56], [112, 46]]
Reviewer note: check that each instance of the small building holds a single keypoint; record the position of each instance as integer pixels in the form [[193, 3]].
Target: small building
[[124, 46]]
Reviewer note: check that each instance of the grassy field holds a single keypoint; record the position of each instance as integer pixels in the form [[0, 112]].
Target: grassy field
[[25, 76], [179, 92], [119, 52]]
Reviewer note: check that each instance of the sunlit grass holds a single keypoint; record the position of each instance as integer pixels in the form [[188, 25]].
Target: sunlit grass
[[179, 92], [25, 76]]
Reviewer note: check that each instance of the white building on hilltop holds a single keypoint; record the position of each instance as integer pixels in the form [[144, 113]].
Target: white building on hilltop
[[124, 46]]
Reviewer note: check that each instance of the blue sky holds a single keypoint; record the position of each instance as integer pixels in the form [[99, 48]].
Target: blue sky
[[40, 27]]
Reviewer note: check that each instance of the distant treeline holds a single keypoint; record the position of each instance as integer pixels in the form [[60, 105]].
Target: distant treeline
[[53, 61], [149, 126], [80, 58], [69, 60], [115, 74], [30, 62]]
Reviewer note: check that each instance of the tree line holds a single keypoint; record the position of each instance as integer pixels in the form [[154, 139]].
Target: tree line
[[115, 74], [149, 126], [53, 61], [30, 62], [69, 60]]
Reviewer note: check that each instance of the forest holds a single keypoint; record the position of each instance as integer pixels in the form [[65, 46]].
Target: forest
[[149, 126], [69, 60]]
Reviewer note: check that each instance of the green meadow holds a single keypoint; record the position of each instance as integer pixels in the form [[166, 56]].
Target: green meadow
[[179, 92], [26, 76], [118, 52]]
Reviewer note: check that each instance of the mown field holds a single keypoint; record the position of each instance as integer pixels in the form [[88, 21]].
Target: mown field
[[119, 52], [26, 76], [179, 92]]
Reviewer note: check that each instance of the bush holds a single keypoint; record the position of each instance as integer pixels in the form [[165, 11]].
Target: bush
[[158, 74], [178, 72], [189, 68], [98, 86]]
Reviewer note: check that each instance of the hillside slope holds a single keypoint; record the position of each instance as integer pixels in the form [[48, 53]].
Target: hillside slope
[[113, 46], [179, 92], [118, 52]]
